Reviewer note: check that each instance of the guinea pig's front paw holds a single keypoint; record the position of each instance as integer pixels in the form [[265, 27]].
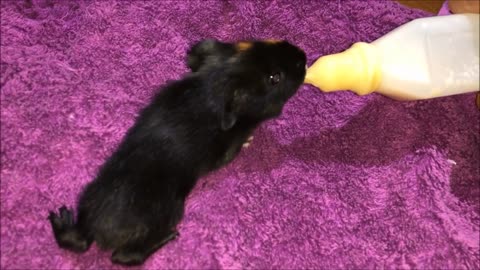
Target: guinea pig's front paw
[[248, 142]]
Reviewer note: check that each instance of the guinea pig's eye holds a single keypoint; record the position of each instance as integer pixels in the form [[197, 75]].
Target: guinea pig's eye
[[274, 78]]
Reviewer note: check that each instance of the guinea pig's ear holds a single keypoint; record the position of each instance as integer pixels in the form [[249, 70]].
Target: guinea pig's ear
[[208, 51], [228, 121], [228, 116], [228, 96]]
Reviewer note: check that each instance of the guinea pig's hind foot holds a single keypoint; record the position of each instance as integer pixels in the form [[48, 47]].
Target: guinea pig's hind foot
[[248, 142], [66, 232], [135, 253], [62, 220]]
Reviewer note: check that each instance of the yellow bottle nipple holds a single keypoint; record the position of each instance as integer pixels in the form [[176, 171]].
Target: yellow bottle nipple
[[356, 69]]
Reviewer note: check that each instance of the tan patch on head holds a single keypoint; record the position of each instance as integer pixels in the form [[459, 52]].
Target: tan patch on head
[[246, 45], [243, 46], [272, 41]]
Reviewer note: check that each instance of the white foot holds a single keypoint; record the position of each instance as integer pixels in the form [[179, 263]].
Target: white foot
[[248, 142]]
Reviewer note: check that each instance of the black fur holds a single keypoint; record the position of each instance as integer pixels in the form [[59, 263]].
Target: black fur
[[191, 127]]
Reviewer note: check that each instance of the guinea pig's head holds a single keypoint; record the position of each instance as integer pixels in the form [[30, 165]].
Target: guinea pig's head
[[250, 80]]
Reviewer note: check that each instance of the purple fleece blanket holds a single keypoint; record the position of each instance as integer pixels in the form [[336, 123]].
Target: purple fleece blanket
[[338, 181]]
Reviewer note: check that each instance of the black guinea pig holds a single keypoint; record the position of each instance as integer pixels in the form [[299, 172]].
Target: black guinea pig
[[191, 127]]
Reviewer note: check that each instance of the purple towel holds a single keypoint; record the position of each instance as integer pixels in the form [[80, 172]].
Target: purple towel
[[444, 9], [338, 181]]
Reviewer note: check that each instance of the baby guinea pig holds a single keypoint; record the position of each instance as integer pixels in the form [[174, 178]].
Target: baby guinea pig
[[191, 127]]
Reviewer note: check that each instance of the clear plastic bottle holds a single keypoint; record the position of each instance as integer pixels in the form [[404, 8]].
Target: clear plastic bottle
[[425, 58]]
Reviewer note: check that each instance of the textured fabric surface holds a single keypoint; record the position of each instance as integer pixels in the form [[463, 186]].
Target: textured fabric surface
[[338, 181], [444, 10]]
